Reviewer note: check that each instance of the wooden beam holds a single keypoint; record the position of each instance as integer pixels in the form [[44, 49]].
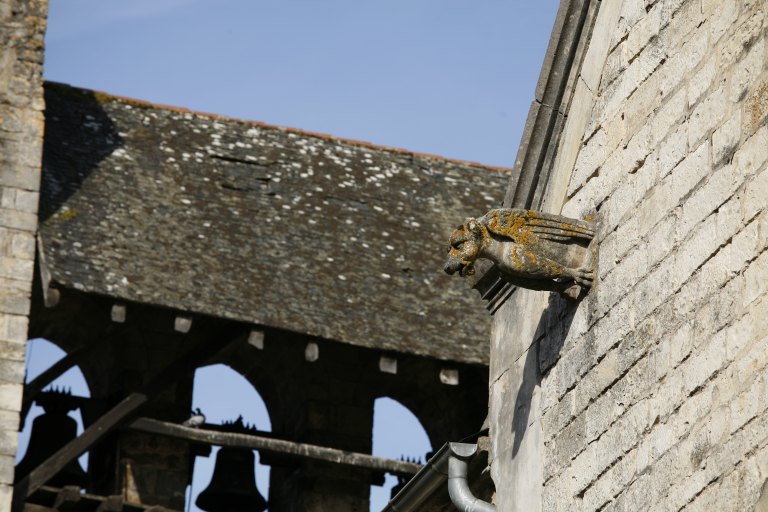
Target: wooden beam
[[67, 496], [279, 446], [115, 416], [84, 502], [56, 462], [31, 507]]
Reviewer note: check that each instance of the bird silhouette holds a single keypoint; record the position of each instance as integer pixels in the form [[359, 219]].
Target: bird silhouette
[[196, 419]]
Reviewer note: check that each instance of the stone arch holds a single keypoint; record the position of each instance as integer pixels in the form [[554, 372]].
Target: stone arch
[[210, 382], [41, 354], [397, 432], [447, 412]]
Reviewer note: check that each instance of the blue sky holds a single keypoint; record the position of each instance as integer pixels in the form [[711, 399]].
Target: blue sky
[[447, 77]]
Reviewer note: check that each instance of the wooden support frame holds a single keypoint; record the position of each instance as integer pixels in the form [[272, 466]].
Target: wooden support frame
[[53, 499], [39, 383], [118, 415], [278, 446]]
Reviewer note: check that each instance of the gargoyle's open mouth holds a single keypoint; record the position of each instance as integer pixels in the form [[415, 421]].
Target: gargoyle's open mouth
[[452, 266], [462, 267]]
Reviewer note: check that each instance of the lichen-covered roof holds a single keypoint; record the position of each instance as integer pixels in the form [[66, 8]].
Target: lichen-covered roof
[[332, 238]]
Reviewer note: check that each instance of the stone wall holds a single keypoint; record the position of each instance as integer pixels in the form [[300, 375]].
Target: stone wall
[[651, 393], [22, 26]]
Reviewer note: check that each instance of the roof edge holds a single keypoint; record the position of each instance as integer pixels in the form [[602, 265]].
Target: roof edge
[[106, 97], [544, 124]]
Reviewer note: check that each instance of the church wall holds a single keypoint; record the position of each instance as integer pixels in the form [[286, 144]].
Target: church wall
[[22, 25], [650, 394]]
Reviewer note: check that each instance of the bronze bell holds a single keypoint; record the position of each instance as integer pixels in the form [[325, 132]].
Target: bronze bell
[[233, 484], [50, 432]]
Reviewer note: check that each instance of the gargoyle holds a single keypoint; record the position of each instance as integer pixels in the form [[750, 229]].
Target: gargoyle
[[532, 250]]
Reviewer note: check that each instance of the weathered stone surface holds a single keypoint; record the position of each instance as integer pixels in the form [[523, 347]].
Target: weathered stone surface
[[22, 26], [652, 394]]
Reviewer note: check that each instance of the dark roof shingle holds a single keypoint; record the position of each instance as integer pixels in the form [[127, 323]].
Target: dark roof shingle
[[268, 225]]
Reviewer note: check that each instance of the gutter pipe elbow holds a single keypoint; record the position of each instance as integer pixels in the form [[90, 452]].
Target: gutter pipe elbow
[[458, 488]]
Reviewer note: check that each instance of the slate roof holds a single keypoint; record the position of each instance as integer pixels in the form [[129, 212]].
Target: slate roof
[[337, 239]]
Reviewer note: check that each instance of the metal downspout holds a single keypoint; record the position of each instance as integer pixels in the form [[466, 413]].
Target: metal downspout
[[458, 488], [449, 463]]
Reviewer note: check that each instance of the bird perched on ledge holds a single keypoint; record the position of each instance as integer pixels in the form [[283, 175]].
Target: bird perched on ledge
[[196, 419]]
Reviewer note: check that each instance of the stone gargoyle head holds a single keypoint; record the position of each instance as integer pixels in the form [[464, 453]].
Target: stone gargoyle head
[[466, 244]]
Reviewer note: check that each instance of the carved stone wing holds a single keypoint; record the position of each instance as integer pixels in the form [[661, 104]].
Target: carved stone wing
[[521, 224]]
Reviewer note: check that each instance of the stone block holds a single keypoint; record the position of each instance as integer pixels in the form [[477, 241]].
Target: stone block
[[611, 482], [756, 107], [756, 283], [14, 328], [10, 396], [627, 235], [746, 343], [558, 415], [22, 245], [725, 140], [596, 381], [8, 197], [683, 17], [7, 466], [10, 352], [13, 300], [668, 116], [18, 177], [629, 15], [747, 71], [15, 219], [730, 49], [680, 344], [682, 61], [561, 449], [729, 219], [702, 81], [706, 115], [750, 483], [672, 150], [703, 364], [720, 186], [27, 201], [638, 71], [12, 369], [720, 15], [743, 247], [643, 31], [591, 156], [616, 62], [747, 405], [15, 268], [6, 496]]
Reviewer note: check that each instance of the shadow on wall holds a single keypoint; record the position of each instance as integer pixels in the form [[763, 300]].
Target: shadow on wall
[[79, 134], [551, 332]]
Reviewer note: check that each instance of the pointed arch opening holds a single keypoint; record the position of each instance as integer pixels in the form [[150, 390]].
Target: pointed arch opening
[[222, 394], [41, 354], [397, 433]]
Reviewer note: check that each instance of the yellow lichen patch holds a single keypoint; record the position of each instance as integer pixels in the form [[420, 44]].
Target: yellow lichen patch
[[65, 215], [103, 98], [756, 107]]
